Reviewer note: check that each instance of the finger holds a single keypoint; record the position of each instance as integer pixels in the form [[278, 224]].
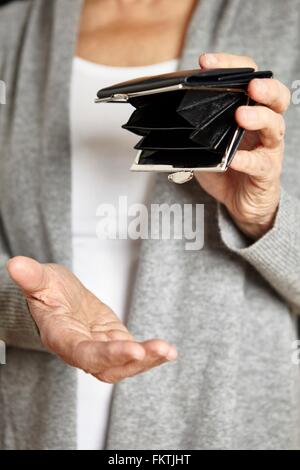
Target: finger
[[133, 368], [156, 347], [220, 60], [28, 274], [270, 125], [271, 93], [95, 357], [256, 163], [158, 353]]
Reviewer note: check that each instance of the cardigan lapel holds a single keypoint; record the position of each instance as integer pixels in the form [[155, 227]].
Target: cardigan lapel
[[56, 142]]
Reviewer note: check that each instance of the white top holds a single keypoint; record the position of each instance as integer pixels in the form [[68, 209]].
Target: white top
[[102, 153]]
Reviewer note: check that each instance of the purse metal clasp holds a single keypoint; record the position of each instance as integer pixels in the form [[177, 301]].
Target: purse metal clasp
[[181, 177]]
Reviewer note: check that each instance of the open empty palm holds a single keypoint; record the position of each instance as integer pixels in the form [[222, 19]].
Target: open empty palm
[[79, 328]]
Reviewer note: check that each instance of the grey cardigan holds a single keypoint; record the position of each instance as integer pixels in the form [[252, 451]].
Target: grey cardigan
[[230, 308]]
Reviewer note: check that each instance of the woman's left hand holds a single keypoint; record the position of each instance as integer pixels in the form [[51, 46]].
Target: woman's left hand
[[250, 189]]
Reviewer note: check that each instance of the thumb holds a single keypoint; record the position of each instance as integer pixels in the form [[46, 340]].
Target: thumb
[[28, 274]]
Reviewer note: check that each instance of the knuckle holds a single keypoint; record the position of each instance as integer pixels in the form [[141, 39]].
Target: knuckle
[[281, 129]]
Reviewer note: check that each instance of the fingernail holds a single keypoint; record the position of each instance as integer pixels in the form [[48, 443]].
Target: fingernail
[[211, 60]]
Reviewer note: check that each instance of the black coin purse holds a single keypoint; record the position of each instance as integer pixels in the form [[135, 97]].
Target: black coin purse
[[186, 119]]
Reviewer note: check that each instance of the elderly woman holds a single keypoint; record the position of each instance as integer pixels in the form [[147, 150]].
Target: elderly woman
[[230, 309]]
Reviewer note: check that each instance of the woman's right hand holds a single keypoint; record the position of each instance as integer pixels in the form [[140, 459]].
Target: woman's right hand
[[79, 328]]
